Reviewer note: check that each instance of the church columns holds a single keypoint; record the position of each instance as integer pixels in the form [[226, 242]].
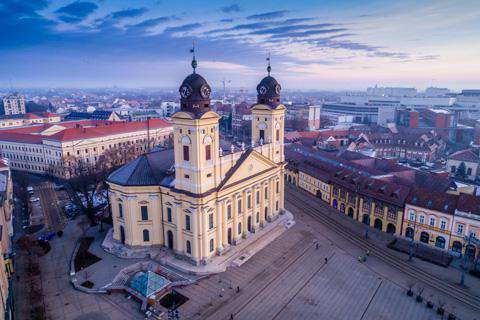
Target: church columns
[[196, 218], [270, 201], [205, 237], [255, 208], [235, 218], [178, 214], [262, 205], [220, 227], [245, 214], [282, 191]]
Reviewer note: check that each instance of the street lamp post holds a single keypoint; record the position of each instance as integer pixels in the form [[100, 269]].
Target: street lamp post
[[470, 238], [410, 245]]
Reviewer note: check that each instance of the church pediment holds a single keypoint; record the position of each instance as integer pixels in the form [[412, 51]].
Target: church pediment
[[250, 164]]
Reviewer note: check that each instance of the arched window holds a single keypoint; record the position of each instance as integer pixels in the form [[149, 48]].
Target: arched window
[[212, 245], [189, 247], [120, 210], [146, 235]]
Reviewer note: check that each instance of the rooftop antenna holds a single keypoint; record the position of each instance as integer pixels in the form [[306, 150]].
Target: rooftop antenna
[[269, 68], [194, 60]]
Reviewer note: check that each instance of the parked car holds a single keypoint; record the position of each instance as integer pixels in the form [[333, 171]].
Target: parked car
[[59, 187], [34, 199], [30, 190], [47, 237]]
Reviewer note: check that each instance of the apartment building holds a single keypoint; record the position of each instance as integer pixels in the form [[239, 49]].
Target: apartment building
[[50, 148], [14, 104], [19, 120]]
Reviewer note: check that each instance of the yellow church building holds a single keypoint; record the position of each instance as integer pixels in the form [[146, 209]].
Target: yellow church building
[[200, 200]]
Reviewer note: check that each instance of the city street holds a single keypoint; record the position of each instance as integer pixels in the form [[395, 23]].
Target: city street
[[290, 280]]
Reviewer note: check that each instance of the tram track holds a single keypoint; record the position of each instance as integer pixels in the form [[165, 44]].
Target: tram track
[[260, 290], [304, 202]]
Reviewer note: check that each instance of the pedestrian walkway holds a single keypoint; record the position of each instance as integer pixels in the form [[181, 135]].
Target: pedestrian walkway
[[235, 255]]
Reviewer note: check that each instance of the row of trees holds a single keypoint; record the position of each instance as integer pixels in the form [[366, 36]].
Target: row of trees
[[86, 179]]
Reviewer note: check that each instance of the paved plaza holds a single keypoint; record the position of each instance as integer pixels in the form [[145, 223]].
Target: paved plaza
[[288, 279]]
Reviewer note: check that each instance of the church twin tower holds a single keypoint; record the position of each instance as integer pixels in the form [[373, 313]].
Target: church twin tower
[[216, 197], [198, 158]]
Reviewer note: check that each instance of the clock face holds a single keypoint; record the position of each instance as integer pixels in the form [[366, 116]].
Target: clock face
[[262, 90], [185, 91], [205, 91], [277, 89]]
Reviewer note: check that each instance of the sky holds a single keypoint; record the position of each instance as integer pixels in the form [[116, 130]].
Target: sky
[[313, 44]]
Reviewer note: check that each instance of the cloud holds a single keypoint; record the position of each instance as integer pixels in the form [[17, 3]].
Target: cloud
[[231, 8], [21, 25], [220, 65], [226, 20], [268, 15], [76, 11], [428, 57], [149, 23], [308, 33], [128, 13], [290, 28], [183, 28]]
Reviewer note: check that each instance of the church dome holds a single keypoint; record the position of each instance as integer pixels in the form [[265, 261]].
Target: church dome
[[195, 93], [268, 90]]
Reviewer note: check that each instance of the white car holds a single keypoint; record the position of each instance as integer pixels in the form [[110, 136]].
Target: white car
[[34, 199]]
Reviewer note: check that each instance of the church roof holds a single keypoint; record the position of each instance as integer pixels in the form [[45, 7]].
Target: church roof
[[147, 170]]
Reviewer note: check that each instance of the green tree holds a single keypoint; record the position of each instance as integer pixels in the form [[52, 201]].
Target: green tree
[[461, 171]]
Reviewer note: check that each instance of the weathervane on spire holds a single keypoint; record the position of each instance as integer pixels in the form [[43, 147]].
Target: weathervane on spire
[[269, 68], [194, 61]]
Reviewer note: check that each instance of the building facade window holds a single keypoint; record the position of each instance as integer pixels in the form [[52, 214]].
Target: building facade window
[[278, 186], [186, 153], [239, 207], [187, 222], [210, 220], [146, 235], [432, 222], [258, 197], [249, 201], [459, 228], [266, 192], [422, 219], [169, 214], [212, 245], [144, 211], [239, 228], [229, 211], [412, 216], [120, 210], [443, 224], [208, 152], [189, 247]]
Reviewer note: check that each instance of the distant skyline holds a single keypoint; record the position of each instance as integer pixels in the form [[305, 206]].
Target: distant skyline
[[314, 45]]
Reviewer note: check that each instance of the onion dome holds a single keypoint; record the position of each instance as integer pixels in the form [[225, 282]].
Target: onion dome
[[195, 93], [268, 90]]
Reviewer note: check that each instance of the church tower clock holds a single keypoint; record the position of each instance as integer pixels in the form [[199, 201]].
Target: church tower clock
[[268, 117], [196, 136]]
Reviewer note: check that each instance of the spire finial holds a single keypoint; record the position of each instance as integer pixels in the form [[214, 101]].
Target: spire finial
[[269, 68], [194, 60]]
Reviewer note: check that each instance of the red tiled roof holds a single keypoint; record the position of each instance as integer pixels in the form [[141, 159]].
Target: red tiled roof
[[465, 155], [468, 203], [428, 199], [77, 130]]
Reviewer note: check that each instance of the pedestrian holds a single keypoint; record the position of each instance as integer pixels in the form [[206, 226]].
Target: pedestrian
[[326, 260], [238, 289], [231, 316], [317, 245]]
